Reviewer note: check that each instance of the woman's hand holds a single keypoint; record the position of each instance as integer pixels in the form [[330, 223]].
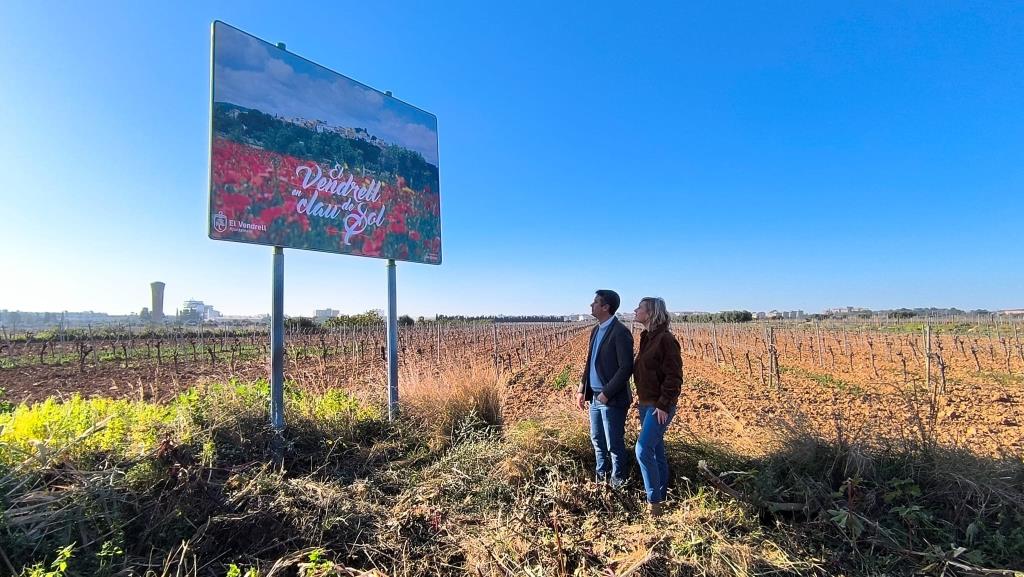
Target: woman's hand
[[662, 416], [603, 399]]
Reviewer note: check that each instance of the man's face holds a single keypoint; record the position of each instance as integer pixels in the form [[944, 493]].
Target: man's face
[[597, 308]]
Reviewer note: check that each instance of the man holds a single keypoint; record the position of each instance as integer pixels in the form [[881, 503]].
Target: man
[[606, 386]]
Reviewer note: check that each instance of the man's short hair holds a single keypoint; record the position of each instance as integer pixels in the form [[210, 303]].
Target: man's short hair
[[610, 298]]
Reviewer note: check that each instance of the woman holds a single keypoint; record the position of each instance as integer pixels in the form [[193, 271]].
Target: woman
[[658, 375]]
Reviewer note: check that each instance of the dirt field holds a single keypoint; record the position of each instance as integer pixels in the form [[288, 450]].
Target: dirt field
[[745, 408]]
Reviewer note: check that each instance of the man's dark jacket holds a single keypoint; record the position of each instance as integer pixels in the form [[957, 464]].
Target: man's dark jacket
[[614, 365]]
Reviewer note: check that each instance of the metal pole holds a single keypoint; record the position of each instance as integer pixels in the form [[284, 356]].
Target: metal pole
[[928, 357], [497, 367], [277, 344], [392, 343], [277, 340]]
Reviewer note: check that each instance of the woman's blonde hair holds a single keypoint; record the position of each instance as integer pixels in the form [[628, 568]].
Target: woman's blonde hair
[[657, 312]]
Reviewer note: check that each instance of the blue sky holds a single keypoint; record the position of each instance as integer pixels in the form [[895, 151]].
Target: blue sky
[[722, 156]]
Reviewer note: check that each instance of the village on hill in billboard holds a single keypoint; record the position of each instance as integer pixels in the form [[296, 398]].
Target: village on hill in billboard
[[303, 157]]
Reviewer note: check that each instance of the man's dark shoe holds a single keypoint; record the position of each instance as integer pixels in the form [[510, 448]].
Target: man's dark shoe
[[657, 510]]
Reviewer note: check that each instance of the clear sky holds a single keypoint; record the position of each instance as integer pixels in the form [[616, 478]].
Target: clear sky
[[747, 155]]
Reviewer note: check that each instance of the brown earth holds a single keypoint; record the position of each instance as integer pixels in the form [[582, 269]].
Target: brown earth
[[979, 411]]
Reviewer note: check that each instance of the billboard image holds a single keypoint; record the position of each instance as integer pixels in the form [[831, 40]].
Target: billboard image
[[303, 157]]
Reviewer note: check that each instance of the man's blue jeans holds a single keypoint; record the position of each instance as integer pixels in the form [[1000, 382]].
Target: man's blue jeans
[[650, 453], [608, 433]]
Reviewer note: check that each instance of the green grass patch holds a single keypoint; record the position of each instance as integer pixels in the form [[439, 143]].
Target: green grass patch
[[826, 380], [142, 354], [563, 379], [964, 329], [1008, 380]]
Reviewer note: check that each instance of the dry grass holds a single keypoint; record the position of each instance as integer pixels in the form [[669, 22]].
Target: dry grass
[[453, 491], [440, 405]]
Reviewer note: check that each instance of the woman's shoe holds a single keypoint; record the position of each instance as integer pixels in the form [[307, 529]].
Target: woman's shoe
[[657, 510]]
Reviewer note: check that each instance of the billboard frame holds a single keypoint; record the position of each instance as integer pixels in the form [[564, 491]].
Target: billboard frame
[[383, 93]]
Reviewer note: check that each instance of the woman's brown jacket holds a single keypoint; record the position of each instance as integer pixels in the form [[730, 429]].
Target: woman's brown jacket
[[658, 369]]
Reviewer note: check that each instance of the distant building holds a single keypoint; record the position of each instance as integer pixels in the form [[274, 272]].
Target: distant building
[[847, 311], [35, 320], [157, 310], [85, 317], [1011, 313], [323, 314], [198, 311]]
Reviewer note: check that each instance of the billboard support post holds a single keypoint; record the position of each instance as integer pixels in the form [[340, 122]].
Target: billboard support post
[[392, 336], [277, 344], [392, 342]]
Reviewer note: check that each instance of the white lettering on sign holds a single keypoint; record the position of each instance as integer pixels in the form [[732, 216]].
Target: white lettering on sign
[[356, 204]]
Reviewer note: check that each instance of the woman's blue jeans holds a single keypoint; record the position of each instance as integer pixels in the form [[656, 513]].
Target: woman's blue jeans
[[608, 434], [650, 453]]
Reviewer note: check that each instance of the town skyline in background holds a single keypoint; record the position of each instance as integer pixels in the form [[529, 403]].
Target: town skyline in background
[[193, 311]]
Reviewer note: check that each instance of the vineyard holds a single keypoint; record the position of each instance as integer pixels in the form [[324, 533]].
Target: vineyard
[[798, 449], [947, 383], [958, 383], [109, 362]]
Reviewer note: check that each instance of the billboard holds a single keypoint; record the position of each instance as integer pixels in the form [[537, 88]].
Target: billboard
[[303, 157]]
